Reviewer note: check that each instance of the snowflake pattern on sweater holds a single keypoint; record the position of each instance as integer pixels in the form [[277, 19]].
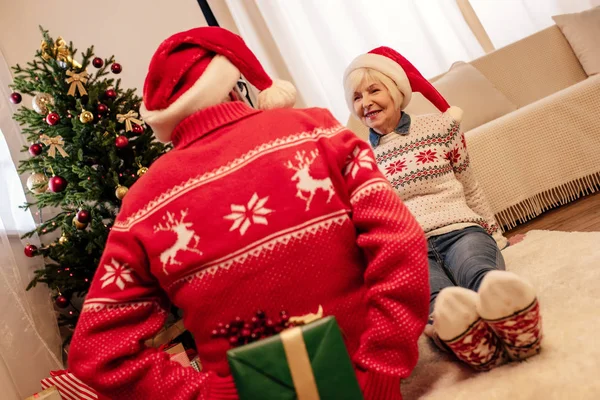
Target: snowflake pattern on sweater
[[293, 217], [429, 168]]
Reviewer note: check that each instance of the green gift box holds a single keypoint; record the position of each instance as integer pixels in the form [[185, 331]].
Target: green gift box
[[308, 362]]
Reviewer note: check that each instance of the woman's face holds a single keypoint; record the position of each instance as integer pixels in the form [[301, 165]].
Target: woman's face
[[375, 107]]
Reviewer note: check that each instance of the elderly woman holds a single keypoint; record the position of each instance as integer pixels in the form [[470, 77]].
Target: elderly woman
[[482, 313]]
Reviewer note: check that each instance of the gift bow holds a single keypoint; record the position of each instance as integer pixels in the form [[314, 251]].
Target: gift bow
[[77, 80], [128, 118], [59, 51], [55, 143], [297, 357]]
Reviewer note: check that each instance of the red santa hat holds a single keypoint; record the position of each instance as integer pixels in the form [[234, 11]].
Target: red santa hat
[[198, 68], [407, 78]]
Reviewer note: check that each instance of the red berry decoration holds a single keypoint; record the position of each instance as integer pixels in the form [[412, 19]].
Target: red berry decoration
[[57, 184], [84, 216], [137, 129], [61, 301], [116, 68], [102, 108], [35, 149], [233, 340], [110, 94], [52, 118], [15, 98], [97, 62], [121, 141], [30, 250]]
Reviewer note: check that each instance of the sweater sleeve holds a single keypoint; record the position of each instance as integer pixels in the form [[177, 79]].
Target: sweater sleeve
[[396, 273], [124, 307], [476, 200]]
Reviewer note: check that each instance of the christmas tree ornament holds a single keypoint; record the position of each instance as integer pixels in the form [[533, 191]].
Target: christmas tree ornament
[[40, 103], [76, 80], [15, 98], [121, 141], [116, 68], [97, 62], [110, 94], [142, 171], [121, 192], [37, 183], [61, 301], [137, 129], [129, 119], [63, 239], [59, 51], [102, 108], [52, 119], [86, 117], [57, 184], [30, 250], [78, 224], [84, 216], [56, 143], [35, 149]]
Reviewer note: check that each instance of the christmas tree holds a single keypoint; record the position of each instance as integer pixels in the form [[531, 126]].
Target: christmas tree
[[88, 146]]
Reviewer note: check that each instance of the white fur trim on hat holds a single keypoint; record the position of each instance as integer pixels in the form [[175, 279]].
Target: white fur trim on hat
[[281, 94], [386, 66], [218, 79]]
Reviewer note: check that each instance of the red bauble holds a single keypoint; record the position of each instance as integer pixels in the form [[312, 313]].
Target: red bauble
[[110, 94], [121, 141], [35, 149], [137, 129], [57, 184], [83, 216], [116, 68], [52, 118], [30, 250], [102, 108], [61, 301], [15, 98], [97, 62]]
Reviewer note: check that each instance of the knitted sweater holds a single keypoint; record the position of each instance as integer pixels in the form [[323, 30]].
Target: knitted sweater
[[428, 165], [273, 210]]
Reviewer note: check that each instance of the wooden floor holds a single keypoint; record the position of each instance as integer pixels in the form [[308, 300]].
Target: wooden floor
[[582, 215]]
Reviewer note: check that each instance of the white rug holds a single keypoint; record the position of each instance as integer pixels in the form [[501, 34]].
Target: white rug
[[565, 269]]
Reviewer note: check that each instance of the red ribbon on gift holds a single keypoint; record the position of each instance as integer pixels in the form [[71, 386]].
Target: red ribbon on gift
[[70, 387]]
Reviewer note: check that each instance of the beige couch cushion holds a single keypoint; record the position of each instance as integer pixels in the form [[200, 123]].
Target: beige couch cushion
[[533, 67], [582, 30], [467, 88]]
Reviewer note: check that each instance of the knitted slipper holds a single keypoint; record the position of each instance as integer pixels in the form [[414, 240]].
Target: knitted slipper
[[509, 306], [458, 325]]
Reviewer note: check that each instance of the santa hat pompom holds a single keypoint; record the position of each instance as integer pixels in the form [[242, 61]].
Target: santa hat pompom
[[456, 113], [281, 94]]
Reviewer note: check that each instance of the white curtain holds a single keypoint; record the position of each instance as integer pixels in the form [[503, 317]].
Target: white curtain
[[316, 39], [30, 344], [507, 21]]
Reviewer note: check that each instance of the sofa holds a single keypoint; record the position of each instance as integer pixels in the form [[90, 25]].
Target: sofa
[[531, 123]]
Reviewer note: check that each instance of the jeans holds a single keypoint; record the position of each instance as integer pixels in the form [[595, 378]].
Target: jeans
[[461, 258]]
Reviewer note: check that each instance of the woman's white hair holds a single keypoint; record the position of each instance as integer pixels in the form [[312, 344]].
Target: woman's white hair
[[362, 77]]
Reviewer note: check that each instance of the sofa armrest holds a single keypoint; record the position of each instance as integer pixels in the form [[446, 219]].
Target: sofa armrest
[[542, 154]]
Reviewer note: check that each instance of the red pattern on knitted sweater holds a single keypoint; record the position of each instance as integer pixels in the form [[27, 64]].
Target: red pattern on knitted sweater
[[281, 209]]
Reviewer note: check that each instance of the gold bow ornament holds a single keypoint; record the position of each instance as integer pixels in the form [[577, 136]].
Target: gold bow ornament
[[128, 118], [77, 80], [55, 143], [59, 51]]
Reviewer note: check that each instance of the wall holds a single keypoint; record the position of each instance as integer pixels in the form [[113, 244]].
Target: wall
[[129, 29]]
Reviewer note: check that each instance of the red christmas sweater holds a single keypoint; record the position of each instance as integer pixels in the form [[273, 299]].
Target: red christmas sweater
[[273, 210]]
